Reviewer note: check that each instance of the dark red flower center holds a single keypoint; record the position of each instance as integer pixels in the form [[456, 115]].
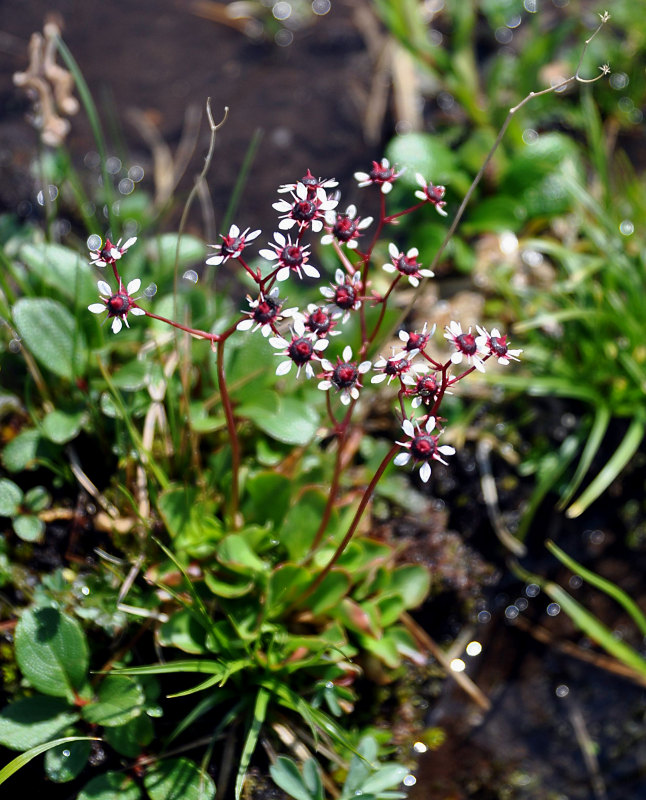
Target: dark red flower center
[[426, 386], [119, 304], [301, 350], [345, 296], [416, 341], [345, 375], [304, 211], [106, 251], [396, 367], [319, 321], [423, 447], [381, 174], [466, 343], [231, 245], [292, 256], [498, 345], [407, 266], [266, 310], [345, 228], [434, 193]]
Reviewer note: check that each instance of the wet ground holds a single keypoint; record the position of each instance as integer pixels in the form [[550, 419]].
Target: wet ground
[[558, 728]]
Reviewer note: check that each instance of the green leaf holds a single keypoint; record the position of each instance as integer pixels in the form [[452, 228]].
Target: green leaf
[[65, 762], [34, 720], [132, 376], [267, 498], [178, 779], [24, 451], [286, 775], [62, 269], [130, 738], [61, 427], [235, 553], [37, 499], [329, 594], [412, 582], [259, 714], [10, 498], [301, 522], [293, 421], [24, 758], [184, 632], [51, 333], [119, 700], [51, 651], [29, 528], [109, 786], [386, 777], [286, 583], [162, 251]]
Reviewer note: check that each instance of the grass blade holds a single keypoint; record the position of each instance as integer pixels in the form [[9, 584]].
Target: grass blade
[[604, 585], [259, 714], [597, 432], [24, 758]]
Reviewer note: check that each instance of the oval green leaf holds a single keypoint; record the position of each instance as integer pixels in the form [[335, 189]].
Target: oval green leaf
[[110, 786], [33, 720], [10, 498], [51, 333], [51, 651], [65, 762], [119, 700]]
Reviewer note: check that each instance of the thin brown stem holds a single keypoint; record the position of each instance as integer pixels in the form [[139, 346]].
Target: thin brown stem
[[233, 434]]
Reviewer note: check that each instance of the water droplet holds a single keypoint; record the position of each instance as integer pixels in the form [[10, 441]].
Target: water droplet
[[136, 173], [409, 780], [457, 665], [66, 754], [445, 101], [93, 242], [576, 582], [626, 227], [92, 160], [532, 589], [619, 80], [281, 10], [113, 165], [503, 35], [321, 7], [126, 186], [562, 690], [521, 603], [85, 590], [484, 617], [190, 275], [508, 243], [596, 536], [553, 609], [474, 649], [14, 346], [284, 38], [420, 747], [514, 22], [329, 685], [530, 135], [511, 612], [52, 194], [150, 290], [530, 5]]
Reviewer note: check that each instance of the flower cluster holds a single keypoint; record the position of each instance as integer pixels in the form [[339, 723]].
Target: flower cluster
[[301, 338]]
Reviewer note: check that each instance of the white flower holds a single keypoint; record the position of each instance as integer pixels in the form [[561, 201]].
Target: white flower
[[231, 245], [306, 210], [495, 344], [344, 376], [381, 174], [422, 447], [109, 253], [118, 304], [345, 227], [431, 194], [406, 264], [301, 350], [291, 257], [466, 346], [266, 311]]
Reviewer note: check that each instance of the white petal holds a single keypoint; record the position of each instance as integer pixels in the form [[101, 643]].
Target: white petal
[[278, 342], [321, 344], [386, 188], [425, 471], [447, 450], [378, 378], [215, 260], [96, 308], [282, 205], [401, 459], [284, 367], [104, 288], [244, 324], [129, 242], [393, 250], [270, 255], [234, 231], [364, 366], [347, 353], [311, 271], [456, 358], [430, 424], [138, 312], [286, 224], [116, 325], [345, 398], [362, 176], [282, 274], [407, 427], [325, 385], [133, 286], [251, 236]]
